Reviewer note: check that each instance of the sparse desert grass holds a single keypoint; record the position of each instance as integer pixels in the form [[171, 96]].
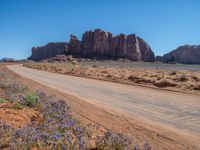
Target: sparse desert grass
[[31, 100], [2, 100], [178, 80]]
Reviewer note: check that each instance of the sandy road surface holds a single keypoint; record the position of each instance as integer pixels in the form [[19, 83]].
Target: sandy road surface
[[174, 110]]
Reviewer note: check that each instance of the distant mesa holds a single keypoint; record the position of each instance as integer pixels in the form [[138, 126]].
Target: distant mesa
[[187, 54], [98, 44], [7, 60]]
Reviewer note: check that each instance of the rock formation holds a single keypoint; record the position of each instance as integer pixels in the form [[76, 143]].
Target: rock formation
[[99, 44], [74, 46], [159, 58], [187, 54], [48, 51], [146, 51]]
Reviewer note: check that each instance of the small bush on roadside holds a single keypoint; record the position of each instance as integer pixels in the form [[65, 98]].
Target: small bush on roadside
[[31, 100], [164, 83], [182, 77], [18, 106], [132, 78], [74, 63], [197, 79], [2, 100], [172, 73]]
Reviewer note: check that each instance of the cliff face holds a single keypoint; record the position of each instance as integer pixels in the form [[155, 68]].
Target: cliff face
[[101, 45], [48, 51], [187, 54]]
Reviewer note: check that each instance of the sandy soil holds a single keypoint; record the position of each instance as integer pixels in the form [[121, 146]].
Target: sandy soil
[[175, 80], [18, 118], [159, 136]]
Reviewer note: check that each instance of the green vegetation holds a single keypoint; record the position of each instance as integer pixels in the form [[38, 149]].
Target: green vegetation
[[31, 100], [2, 100], [18, 106]]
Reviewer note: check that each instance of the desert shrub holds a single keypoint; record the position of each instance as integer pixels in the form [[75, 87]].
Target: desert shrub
[[109, 76], [146, 146], [164, 83], [2, 100], [11, 96], [74, 63], [31, 100], [182, 77], [104, 71], [5, 135], [196, 78], [172, 73], [94, 66], [18, 106], [132, 78], [112, 141], [196, 87]]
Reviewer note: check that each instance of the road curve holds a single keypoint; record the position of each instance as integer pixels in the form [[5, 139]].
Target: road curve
[[176, 110]]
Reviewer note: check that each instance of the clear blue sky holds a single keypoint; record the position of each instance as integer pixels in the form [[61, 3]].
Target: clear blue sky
[[164, 24]]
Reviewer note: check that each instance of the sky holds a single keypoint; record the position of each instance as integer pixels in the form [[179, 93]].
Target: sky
[[164, 24]]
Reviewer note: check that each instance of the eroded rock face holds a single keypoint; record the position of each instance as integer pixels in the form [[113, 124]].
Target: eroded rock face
[[101, 45], [48, 51], [187, 54], [87, 44], [133, 48], [120, 46], [74, 46], [146, 51]]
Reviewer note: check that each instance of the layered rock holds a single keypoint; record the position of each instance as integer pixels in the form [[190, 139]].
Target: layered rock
[[187, 54], [74, 46], [99, 44], [48, 51], [146, 51]]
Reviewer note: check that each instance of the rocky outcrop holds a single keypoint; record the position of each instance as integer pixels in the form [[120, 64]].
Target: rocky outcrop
[[187, 54], [159, 58], [48, 51], [146, 51], [74, 46], [99, 44]]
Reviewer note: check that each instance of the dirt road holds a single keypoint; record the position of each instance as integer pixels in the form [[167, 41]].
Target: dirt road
[[177, 111]]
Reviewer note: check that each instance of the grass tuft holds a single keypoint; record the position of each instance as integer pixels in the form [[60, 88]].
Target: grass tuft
[[2, 100], [31, 100]]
